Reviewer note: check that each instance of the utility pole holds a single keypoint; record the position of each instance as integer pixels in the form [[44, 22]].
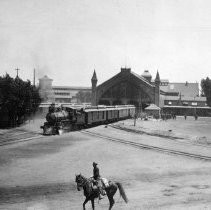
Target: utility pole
[[17, 71], [34, 78]]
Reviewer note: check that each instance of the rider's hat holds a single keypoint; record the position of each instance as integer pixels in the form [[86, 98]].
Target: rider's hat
[[94, 163]]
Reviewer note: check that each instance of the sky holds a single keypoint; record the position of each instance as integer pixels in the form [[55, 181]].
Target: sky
[[68, 39]]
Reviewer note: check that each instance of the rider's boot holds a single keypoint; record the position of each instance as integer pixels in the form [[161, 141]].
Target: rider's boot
[[100, 197], [101, 194], [104, 192]]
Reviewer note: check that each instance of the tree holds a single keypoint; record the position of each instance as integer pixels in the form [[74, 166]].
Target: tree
[[17, 99], [206, 89], [84, 97]]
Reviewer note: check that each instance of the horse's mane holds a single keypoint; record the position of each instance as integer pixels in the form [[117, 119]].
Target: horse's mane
[[87, 187], [83, 176], [86, 179]]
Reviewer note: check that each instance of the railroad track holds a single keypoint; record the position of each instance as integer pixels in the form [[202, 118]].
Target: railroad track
[[144, 132], [148, 147], [175, 138], [16, 136]]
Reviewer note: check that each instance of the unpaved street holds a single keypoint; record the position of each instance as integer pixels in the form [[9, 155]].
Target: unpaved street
[[40, 174]]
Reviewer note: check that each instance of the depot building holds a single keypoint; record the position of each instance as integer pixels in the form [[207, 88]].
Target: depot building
[[127, 87]]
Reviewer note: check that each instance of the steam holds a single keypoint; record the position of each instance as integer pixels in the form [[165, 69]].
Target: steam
[[41, 66]]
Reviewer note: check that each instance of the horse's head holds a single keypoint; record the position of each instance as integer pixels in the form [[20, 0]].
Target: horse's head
[[79, 179]]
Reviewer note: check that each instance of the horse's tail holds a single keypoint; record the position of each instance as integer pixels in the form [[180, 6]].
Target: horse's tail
[[122, 192]]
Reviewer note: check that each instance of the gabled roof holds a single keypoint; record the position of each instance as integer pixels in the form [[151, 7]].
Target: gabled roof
[[129, 72], [152, 107], [185, 89], [141, 78], [109, 80]]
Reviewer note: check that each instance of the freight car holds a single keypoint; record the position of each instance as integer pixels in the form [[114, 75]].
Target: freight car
[[68, 118]]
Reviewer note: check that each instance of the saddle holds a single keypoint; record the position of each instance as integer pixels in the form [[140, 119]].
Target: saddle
[[103, 182]]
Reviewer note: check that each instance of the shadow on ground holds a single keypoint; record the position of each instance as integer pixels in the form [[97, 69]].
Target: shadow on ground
[[22, 193]]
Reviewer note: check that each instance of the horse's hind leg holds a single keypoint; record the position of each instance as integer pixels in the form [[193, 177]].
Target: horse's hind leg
[[110, 194], [86, 200]]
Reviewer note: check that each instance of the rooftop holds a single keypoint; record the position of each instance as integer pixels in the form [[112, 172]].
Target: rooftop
[[185, 89]]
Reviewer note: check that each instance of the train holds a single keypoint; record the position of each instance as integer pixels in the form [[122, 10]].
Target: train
[[68, 118]]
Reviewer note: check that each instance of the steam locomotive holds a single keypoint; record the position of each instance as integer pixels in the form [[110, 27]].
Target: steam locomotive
[[69, 118]]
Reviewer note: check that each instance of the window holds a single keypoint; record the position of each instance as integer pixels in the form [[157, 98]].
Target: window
[[194, 103], [62, 94], [170, 103], [185, 103]]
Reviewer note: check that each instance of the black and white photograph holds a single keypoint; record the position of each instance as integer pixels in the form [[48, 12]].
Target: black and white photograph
[[105, 104]]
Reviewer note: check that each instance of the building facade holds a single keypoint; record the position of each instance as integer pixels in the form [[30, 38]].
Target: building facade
[[128, 87], [60, 94]]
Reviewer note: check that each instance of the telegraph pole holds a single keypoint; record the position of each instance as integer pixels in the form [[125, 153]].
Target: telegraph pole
[[17, 71], [34, 78]]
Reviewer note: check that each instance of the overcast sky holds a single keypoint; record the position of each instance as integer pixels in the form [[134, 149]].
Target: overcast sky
[[68, 39]]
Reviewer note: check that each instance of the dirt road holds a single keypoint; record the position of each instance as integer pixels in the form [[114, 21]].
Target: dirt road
[[40, 174]]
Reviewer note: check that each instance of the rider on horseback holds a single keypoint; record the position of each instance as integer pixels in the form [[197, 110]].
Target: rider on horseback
[[97, 180]]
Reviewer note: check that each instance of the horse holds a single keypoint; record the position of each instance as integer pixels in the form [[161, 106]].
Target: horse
[[92, 193]]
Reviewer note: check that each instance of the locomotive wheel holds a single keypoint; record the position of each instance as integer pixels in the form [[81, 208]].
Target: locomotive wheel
[[55, 131], [47, 130]]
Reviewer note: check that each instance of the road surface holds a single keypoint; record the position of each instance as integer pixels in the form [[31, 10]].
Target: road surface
[[40, 174]]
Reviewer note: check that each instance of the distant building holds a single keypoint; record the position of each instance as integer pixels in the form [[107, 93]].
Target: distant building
[[181, 94], [127, 87], [46, 90], [59, 94], [67, 94]]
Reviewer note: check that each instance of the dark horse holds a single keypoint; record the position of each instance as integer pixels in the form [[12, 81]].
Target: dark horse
[[91, 193]]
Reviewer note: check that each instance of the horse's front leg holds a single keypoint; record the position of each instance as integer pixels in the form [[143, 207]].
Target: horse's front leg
[[93, 204], [86, 200]]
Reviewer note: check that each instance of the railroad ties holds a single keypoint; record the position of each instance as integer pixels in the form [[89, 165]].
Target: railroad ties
[[17, 135]]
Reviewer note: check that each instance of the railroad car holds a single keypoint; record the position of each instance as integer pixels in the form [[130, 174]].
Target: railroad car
[[95, 116], [68, 118]]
